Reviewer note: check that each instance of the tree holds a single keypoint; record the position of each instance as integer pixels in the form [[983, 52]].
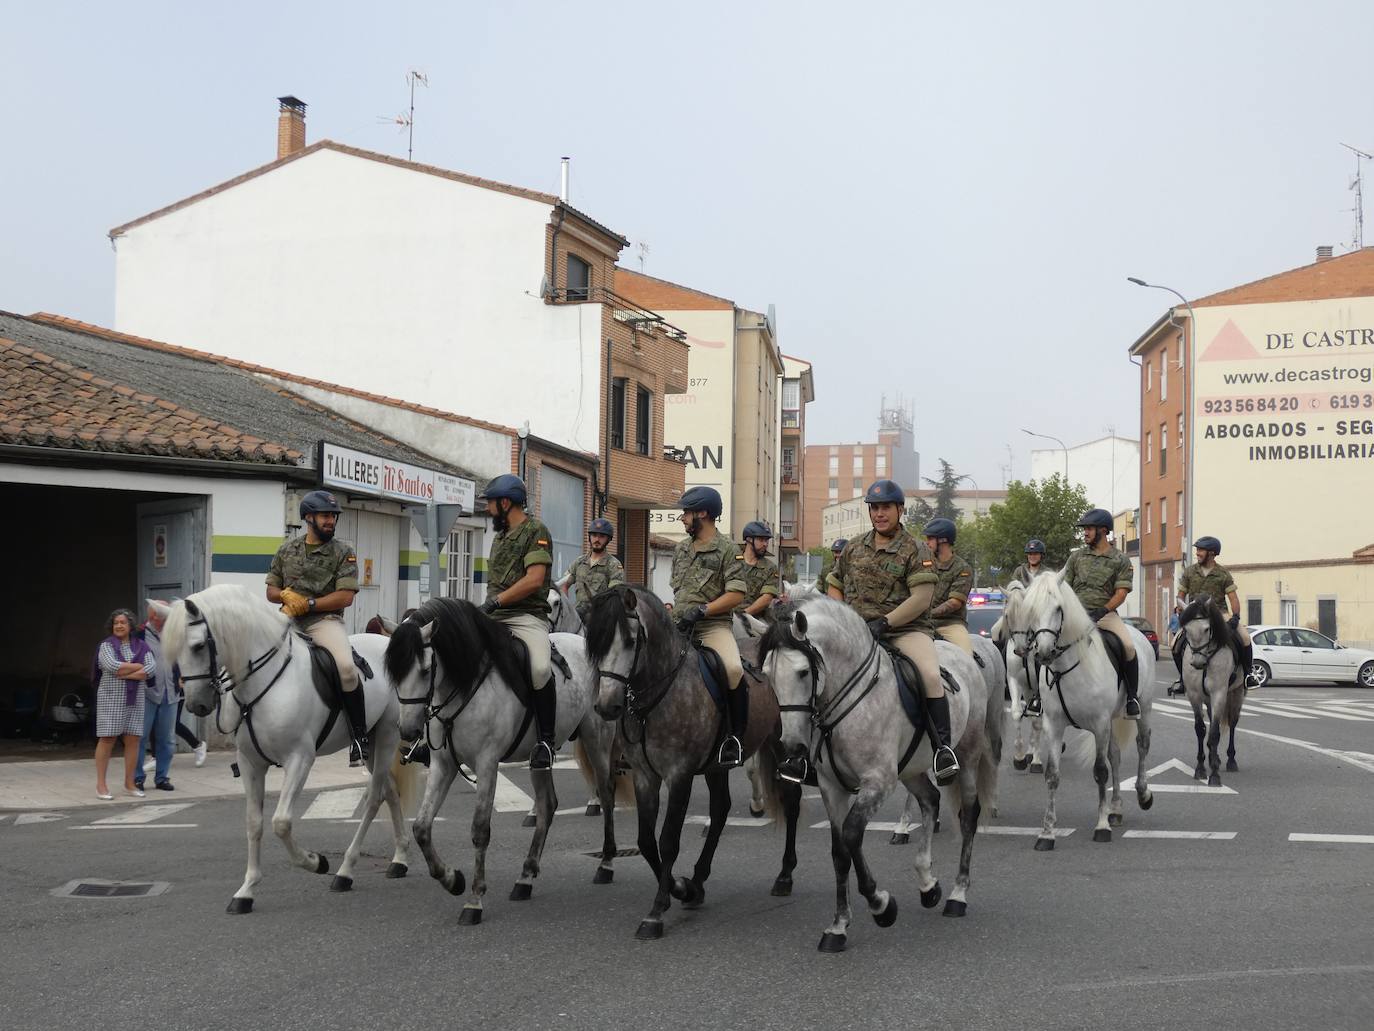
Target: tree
[[1047, 510], [946, 487]]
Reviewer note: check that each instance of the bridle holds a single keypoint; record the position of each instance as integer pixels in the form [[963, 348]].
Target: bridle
[[434, 711], [227, 684], [1056, 676], [641, 702]]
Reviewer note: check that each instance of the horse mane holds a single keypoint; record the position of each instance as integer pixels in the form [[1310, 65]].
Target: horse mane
[[608, 616], [237, 617], [1048, 591], [779, 634], [461, 635], [1202, 608]]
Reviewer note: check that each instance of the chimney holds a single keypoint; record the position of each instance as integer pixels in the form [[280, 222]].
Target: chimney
[[290, 127], [1324, 253], [563, 186]]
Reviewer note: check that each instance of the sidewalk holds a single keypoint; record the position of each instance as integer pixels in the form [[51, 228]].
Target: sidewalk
[[70, 783]]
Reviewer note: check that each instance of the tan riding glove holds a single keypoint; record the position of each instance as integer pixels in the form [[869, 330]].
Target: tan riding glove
[[293, 603]]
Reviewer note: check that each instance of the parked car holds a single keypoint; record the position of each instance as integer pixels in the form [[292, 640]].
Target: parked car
[[1295, 653], [982, 617], [1143, 625]]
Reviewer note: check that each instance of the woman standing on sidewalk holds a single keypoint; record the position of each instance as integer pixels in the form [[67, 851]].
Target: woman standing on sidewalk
[[124, 663]]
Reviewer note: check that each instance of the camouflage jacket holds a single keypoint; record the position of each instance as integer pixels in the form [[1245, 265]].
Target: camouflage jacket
[[760, 579], [1095, 578], [314, 570], [703, 572], [875, 579], [1215, 583], [590, 578], [952, 581], [512, 553], [1025, 574]]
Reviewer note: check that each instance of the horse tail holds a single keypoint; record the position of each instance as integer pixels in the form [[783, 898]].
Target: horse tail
[[624, 786], [407, 781], [767, 771], [1124, 731]]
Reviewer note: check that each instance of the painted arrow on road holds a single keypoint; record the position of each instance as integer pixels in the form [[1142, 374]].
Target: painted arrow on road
[[1179, 789]]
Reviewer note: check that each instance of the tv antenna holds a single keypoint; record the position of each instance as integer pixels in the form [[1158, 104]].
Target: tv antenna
[[642, 252], [1357, 184], [406, 119]]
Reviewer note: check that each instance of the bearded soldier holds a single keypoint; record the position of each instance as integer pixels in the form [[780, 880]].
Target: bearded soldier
[[596, 571], [949, 604]]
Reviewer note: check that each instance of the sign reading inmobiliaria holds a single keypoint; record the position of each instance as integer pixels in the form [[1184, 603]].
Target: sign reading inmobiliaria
[[360, 473]]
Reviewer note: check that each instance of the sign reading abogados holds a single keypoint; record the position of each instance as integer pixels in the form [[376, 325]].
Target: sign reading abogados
[[1284, 417]]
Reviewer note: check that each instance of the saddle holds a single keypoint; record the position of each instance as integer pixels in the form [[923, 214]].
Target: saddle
[[324, 674], [909, 688], [525, 689]]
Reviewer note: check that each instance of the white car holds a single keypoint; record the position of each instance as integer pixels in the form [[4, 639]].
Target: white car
[[1294, 653]]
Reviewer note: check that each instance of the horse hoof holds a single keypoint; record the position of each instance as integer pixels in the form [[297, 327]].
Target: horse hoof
[[469, 916], [899, 838], [1044, 844], [396, 871], [954, 907], [755, 813], [832, 942], [930, 899], [459, 884], [935, 828], [1199, 774], [593, 809], [322, 863], [238, 907], [341, 883], [1021, 763], [1102, 834], [888, 916], [1037, 767], [603, 875], [1114, 819], [1146, 800], [529, 820], [1231, 766], [782, 887], [521, 892], [693, 894], [1214, 781], [649, 930]]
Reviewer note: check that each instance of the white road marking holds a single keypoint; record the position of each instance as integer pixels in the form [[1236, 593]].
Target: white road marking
[[144, 814], [135, 826], [1288, 712], [1214, 975], [1177, 789], [25, 818], [1335, 839], [1024, 832], [1363, 760], [508, 797], [731, 821], [335, 805], [1345, 711], [886, 826], [1183, 835]]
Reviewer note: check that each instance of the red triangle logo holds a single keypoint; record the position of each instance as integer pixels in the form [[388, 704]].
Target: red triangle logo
[[1229, 345]]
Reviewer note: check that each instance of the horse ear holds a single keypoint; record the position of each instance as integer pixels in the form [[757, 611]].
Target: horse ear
[[160, 608], [631, 602], [799, 625], [427, 631], [191, 609], [389, 625]]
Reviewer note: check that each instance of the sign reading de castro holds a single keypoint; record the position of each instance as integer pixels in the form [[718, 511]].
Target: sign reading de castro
[[360, 473]]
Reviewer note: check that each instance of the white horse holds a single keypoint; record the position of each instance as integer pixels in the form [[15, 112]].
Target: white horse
[[1211, 680], [270, 704], [1025, 751], [456, 672], [751, 628], [1082, 691], [842, 715]]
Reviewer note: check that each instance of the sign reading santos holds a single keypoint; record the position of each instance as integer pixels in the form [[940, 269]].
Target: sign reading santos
[[1284, 418], [361, 473]]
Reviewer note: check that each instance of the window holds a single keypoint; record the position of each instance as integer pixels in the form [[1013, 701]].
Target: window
[[579, 279], [858, 485], [880, 464], [1288, 610], [1147, 517], [1178, 501], [1149, 376], [1254, 612], [622, 535], [618, 412], [1326, 616], [789, 465], [1164, 374], [1312, 639], [1149, 446], [1163, 523], [791, 393], [834, 483], [458, 559], [644, 409], [1163, 448], [856, 463], [834, 465]]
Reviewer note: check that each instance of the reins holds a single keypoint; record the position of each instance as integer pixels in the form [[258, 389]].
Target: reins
[[1054, 677], [254, 667], [641, 703]]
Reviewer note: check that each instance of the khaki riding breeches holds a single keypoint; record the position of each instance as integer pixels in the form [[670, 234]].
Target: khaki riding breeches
[[1242, 636], [1113, 622], [534, 632], [956, 633], [920, 649], [331, 635], [721, 640]]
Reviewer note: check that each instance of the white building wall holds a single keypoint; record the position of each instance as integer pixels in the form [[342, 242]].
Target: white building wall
[[352, 271], [1108, 470]]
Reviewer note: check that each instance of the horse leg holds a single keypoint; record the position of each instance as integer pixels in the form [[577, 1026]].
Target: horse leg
[[881, 904], [1037, 743], [1143, 794], [545, 802], [669, 844], [791, 811], [756, 806], [837, 934], [1213, 739], [296, 770], [646, 805], [1231, 766], [443, 768], [927, 797], [254, 778], [1020, 757], [481, 838], [1200, 729], [693, 892], [1050, 744], [599, 749], [1102, 830], [901, 834], [970, 810], [376, 790], [1114, 816]]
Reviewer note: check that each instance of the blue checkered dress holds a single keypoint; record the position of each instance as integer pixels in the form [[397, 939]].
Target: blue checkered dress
[[114, 717]]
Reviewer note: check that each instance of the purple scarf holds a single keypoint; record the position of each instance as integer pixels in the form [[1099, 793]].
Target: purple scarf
[[139, 651]]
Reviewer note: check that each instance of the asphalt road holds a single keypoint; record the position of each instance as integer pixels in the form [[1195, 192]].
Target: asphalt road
[[1252, 931]]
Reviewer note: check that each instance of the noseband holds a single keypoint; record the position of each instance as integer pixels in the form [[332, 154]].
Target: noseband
[[226, 684]]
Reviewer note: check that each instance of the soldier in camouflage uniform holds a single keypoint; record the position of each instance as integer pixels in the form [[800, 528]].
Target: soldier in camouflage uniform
[[949, 604], [596, 571], [888, 577], [760, 571], [518, 582], [1101, 577], [1034, 564], [708, 583], [314, 577], [1208, 578]]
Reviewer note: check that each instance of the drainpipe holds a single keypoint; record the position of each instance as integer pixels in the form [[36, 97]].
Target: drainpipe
[[553, 253], [604, 499]]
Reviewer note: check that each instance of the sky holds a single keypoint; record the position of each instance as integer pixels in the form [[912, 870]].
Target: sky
[[943, 201]]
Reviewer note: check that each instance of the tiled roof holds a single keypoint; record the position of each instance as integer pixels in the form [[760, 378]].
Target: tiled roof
[[1348, 275], [46, 402], [661, 295]]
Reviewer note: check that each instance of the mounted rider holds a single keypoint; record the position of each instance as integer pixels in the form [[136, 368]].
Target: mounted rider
[[949, 604], [1034, 564], [1101, 577], [1208, 578], [518, 582], [596, 571], [314, 577], [888, 577], [708, 583], [760, 571]]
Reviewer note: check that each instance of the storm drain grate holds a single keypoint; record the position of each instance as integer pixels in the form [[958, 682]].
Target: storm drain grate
[[620, 853], [101, 889]]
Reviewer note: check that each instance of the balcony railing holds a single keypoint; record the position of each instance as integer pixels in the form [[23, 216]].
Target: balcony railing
[[787, 529], [791, 418], [789, 475]]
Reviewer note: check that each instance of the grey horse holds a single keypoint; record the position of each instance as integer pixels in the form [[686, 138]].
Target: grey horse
[[1211, 680]]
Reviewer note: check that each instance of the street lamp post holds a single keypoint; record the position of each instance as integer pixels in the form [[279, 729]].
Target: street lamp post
[[1062, 447], [1192, 388]]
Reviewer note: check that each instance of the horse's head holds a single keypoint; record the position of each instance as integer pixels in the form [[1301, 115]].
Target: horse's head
[[1016, 618], [796, 671], [615, 644], [411, 667], [188, 642], [1056, 617], [1204, 628]]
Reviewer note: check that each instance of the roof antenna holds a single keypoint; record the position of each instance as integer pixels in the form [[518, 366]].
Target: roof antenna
[[1357, 184], [642, 249], [406, 120]]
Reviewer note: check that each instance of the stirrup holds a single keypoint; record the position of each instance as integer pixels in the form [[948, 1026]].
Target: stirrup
[[1176, 688], [945, 765], [1131, 703], [794, 769], [541, 758], [358, 752], [731, 753], [1032, 707]]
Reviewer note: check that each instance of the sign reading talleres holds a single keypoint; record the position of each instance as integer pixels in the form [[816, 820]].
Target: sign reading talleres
[[361, 473], [1284, 411]]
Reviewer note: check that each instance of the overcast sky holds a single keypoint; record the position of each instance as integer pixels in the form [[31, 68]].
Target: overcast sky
[[942, 200]]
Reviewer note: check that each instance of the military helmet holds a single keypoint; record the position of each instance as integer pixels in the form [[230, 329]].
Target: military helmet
[[838, 546], [601, 526], [756, 529], [506, 485], [702, 499], [883, 492], [1098, 517], [1035, 546], [319, 501], [1208, 544], [941, 528]]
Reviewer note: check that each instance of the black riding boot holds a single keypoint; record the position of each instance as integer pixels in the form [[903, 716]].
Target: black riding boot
[[545, 713], [946, 764], [1132, 670], [731, 752], [1247, 658], [358, 752], [1177, 649]]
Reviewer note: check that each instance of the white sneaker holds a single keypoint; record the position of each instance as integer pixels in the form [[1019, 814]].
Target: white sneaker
[[200, 755], [149, 764]]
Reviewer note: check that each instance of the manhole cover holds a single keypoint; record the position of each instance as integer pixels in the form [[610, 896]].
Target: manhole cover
[[620, 853], [94, 888]]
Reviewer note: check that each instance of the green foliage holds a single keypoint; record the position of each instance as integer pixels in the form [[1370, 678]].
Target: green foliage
[[946, 487], [1046, 509]]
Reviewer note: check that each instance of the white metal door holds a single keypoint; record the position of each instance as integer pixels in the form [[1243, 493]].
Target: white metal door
[[171, 549], [376, 539]]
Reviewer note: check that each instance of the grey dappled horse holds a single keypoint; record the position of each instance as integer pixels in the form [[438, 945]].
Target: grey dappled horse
[[1211, 679], [842, 715], [649, 685], [271, 707], [454, 668], [1082, 690], [563, 617]]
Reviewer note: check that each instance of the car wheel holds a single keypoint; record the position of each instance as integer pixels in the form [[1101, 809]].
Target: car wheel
[[1259, 672], [1365, 678]]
